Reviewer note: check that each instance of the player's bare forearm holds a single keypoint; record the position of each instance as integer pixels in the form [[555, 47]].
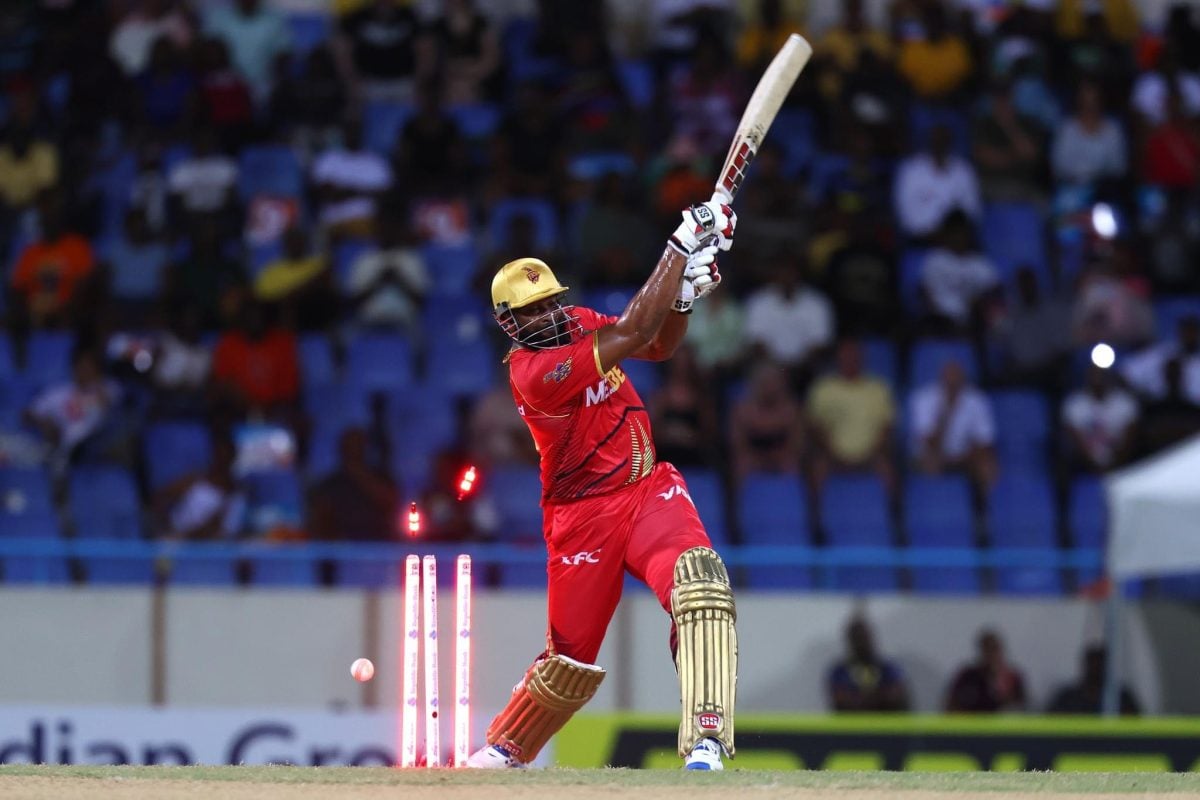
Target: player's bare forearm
[[667, 341], [642, 319]]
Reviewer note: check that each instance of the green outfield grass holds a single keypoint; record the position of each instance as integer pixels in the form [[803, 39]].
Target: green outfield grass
[[1011, 782]]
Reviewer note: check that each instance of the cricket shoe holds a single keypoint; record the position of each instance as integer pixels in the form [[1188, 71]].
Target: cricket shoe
[[493, 757], [705, 755]]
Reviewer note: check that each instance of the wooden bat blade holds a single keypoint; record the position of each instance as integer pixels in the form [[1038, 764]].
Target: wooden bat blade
[[764, 104]]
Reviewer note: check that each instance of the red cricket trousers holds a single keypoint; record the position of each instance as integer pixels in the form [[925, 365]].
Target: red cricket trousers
[[591, 543]]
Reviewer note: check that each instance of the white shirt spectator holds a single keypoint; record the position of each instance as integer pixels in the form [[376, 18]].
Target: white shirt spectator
[[253, 40], [77, 413], [201, 502], [181, 365], [954, 281], [203, 183], [135, 35], [1143, 371], [1150, 92], [1083, 158], [971, 422], [676, 36], [390, 304], [1101, 423], [352, 171], [926, 193], [789, 328]]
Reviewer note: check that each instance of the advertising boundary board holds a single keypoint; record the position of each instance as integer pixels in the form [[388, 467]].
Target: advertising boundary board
[[899, 742]]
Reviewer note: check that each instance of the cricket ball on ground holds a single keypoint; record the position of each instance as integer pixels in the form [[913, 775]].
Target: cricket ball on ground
[[362, 669]]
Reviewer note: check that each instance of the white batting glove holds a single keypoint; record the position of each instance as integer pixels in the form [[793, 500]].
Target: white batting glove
[[700, 277], [704, 224]]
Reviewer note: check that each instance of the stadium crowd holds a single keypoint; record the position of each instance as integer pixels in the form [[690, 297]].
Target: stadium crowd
[[247, 250]]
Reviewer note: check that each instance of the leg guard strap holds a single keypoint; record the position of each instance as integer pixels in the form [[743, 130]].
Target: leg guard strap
[[554, 688]]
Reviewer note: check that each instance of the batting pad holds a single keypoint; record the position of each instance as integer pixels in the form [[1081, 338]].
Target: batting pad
[[554, 688], [703, 608]]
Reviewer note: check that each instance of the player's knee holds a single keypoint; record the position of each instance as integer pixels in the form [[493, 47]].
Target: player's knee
[[701, 584]]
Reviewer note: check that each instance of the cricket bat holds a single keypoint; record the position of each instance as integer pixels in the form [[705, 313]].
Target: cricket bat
[[760, 112]]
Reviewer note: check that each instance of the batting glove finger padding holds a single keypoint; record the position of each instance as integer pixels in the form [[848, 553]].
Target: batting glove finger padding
[[702, 222]]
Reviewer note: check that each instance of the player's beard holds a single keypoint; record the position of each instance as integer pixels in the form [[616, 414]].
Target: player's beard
[[552, 329]]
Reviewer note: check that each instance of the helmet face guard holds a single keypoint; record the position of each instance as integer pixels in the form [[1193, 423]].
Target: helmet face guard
[[556, 327]]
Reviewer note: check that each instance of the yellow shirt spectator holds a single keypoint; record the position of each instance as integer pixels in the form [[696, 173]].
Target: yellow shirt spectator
[[282, 277], [935, 69], [24, 176], [844, 47], [1119, 15], [853, 414], [758, 44]]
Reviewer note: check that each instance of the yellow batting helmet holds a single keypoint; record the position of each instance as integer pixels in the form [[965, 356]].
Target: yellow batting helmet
[[524, 281]]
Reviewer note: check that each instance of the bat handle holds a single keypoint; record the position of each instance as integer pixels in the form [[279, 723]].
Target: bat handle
[[721, 195]]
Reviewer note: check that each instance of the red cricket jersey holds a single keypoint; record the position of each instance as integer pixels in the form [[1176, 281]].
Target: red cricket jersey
[[591, 428]]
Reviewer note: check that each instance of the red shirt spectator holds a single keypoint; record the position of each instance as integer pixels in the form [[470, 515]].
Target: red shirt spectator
[[1172, 158], [50, 270], [260, 365]]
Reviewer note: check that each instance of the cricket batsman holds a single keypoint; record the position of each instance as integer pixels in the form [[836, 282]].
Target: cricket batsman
[[608, 505]]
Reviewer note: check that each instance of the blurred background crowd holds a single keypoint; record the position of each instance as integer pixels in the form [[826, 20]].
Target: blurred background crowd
[[247, 249]]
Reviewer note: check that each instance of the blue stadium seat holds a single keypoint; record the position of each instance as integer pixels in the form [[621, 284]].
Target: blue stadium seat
[[274, 498], [24, 491], [1087, 520], [854, 512], [1022, 428], [421, 424], [175, 449], [451, 267], [637, 80], [516, 493], [379, 362], [1013, 236], [16, 392], [708, 495], [104, 503], [772, 510], [646, 376], [8, 361], [523, 64], [937, 514], [345, 253], [911, 261], [1168, 312], [48, 359], [269, 170], [879, 360], [36, 570], [476, 121], [593, 166], [609, 300], [261, 254], [382, 124], [309, 31], [924, 117], [543, 213], [795, 130], [1021, 516], [27, 512], [461, 359], [928, 356], [316, 359]]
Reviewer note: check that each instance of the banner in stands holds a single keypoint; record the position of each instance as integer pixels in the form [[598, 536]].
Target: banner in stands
[[195, 736], [898, 742]]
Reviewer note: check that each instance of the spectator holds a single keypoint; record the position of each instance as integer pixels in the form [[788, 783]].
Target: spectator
[[1112, 303], [851, 415], [208, 505], [717, 334], [207, 278], [431, 154], [931, 184], [937, 64], [380, 52], [300, 282], [854, 254], [348, 181], [1172, 417], [166, 90], [684, 415], [226, 98], [1144, 371], [387, 284], [141, 29], [863, 680], [1034, 337], [1008, 148], [681, 173], [705, 102], [590, 97], [81, 419], [1119, 17], [788, 320], [1090, 147], [1100, 421], [203, 184], [149, 193], [615, 241], [497, 434], [1153, 90], [678, 26], [255, 36], [527, 153], [182, 366], [307, 108], [28, 164], [468, 53], [1087, 695], [990, 684], [137, 262], [358, 501], [957, 280], [842, 47], [953, 428], [771, 216], [256, 367], [761, 39], [1171, 155], [51, 270], [766, 431]]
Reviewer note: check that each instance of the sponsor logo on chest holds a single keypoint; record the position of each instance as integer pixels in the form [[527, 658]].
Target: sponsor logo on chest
[[605, 388]]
